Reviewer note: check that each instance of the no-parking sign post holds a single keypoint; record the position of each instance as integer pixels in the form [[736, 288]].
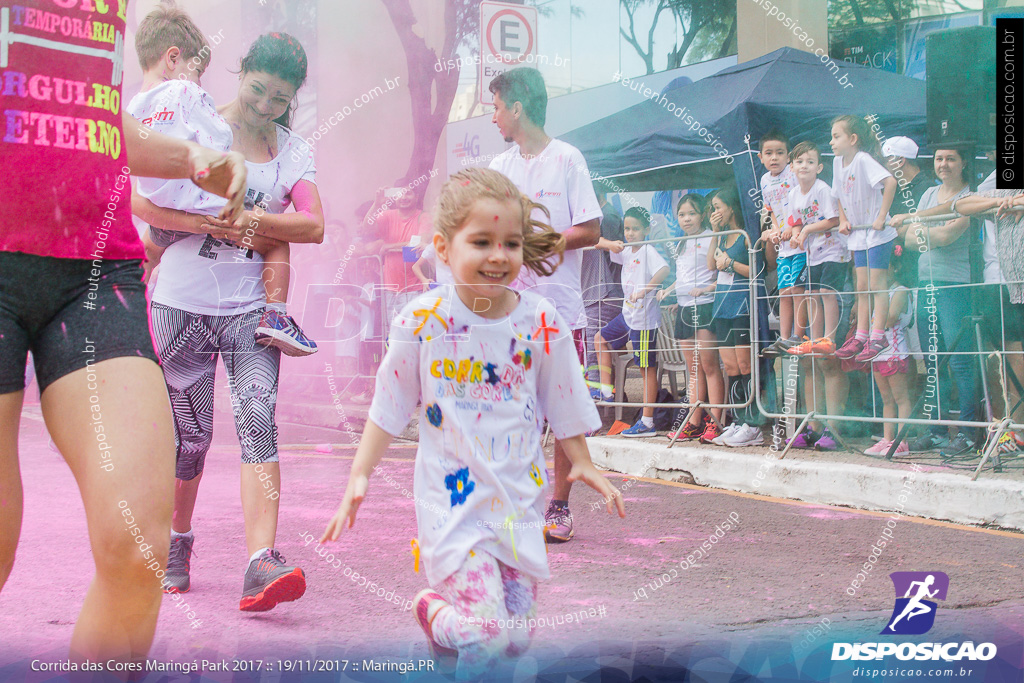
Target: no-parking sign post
[[508, 38]]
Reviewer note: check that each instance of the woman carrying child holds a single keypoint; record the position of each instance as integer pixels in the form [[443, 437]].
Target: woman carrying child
[[204, 306]]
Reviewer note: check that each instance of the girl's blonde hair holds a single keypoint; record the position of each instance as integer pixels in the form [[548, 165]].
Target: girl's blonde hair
[[540, 243]]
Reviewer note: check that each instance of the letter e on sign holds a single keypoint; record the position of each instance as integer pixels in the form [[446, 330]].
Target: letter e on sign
[[508, 38]]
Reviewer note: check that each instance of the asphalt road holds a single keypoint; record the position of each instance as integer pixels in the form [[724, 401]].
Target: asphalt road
[[749, 602]]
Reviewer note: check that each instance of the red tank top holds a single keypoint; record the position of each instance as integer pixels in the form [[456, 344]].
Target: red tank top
[[61, 138]]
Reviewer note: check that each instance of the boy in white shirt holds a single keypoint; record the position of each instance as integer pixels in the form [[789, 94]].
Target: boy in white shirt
[[791, 263], [643, 270], [173, 58], [554, 174], [814, 209]]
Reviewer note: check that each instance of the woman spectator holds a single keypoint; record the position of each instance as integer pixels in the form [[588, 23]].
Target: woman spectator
[[943, 306]]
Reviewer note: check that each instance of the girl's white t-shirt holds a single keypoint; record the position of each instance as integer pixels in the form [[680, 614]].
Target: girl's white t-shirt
[[692, 270], [775, 191], [638, 267], [486, 387], [203, 275], [816, 206], [858, 187], [897, 334]]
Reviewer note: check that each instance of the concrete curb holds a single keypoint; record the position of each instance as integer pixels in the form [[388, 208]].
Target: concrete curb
[[921, 493]]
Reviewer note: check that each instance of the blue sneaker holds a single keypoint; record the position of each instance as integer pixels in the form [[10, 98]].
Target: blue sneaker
[[639, 430], [283, 332]]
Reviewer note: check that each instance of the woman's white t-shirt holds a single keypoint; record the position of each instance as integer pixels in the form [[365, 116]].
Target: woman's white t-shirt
[[486, 387], [858, 187], [203, 275]]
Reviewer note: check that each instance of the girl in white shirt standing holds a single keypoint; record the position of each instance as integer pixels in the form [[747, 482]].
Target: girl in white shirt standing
[[695, 292], [864, 190], [488, 366]]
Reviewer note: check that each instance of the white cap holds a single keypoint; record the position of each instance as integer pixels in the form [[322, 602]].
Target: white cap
[[900, 146]]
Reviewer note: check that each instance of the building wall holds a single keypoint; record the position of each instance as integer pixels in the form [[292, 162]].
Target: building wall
[[760, 31]]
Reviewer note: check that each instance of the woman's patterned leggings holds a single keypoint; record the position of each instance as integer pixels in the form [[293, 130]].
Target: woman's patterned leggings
[[490, 605]]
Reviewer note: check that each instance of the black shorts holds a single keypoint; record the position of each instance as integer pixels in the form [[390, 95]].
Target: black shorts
[[733, 331], [692, 318], [69, 313], [829, 275], [1004, 321]]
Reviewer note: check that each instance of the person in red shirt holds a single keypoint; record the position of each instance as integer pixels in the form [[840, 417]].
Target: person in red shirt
[[102, 393], [392, 228]]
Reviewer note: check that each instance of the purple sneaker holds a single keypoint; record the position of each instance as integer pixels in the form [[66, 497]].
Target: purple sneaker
[[825, 442], [805, 439]]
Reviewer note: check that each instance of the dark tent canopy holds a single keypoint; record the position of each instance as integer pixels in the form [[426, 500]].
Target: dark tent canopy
[[648, 147], [654, 146]]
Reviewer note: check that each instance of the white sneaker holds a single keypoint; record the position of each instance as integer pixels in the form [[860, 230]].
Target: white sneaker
[[744, 436], [729, 431]]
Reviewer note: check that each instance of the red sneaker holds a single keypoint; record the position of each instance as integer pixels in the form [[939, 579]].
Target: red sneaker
[[712, 431], [688, 432]]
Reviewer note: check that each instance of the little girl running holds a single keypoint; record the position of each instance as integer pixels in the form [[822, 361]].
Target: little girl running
[[864, 190], [489, 365], [890, 367]]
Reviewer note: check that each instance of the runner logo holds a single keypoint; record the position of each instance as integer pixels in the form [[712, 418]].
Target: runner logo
[[541, 194], [914, 612]]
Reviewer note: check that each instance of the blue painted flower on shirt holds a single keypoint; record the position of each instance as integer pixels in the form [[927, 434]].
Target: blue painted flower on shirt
[[434, 415], [460, 486]]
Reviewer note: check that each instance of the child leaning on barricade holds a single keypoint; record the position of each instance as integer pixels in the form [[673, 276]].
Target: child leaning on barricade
[[643, 270], [791, 262], [695, 295], [729, 256], [828, 259]]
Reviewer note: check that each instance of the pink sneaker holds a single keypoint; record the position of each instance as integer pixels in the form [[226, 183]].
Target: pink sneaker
[[880, 448], [871, 350], [425, 607], [851, 348], [902, 449]]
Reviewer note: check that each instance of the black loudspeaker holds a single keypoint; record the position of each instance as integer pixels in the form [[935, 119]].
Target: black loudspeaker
[[961, 86]]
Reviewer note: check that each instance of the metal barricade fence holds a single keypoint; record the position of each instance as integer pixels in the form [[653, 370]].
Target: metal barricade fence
[[994, 427], [690, 405]]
